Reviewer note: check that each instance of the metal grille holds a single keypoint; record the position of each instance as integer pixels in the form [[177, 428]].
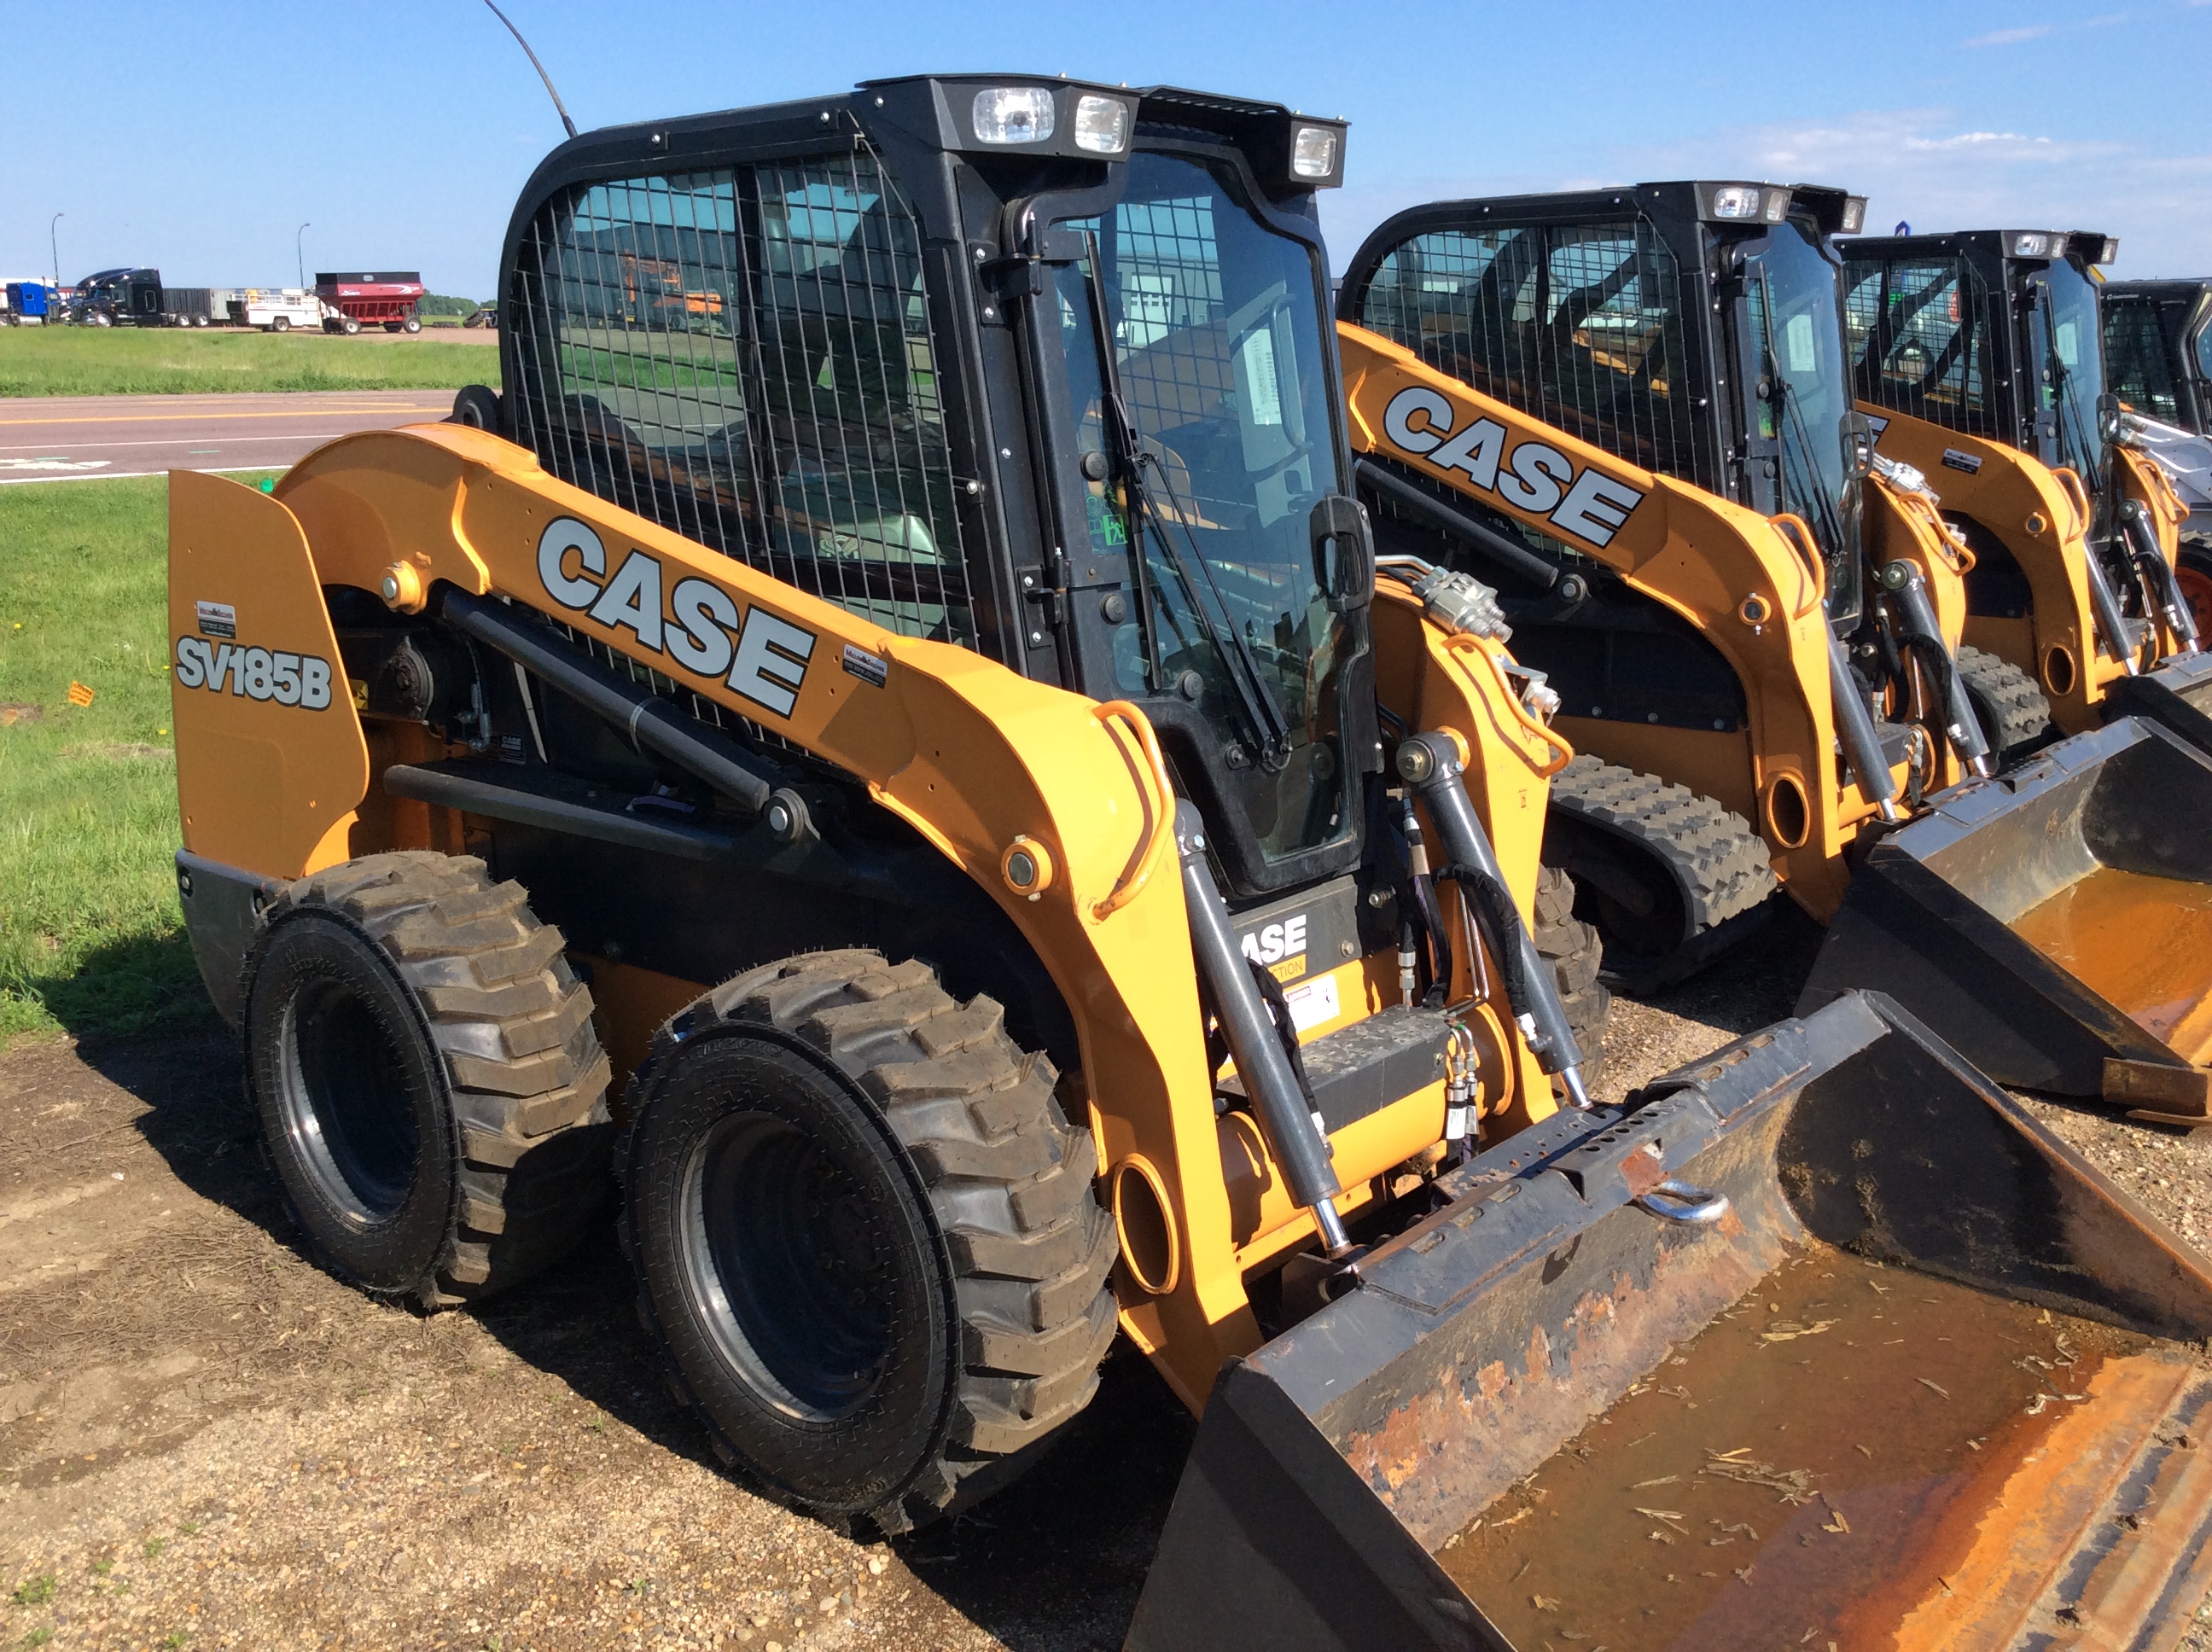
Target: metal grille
[[2137, 368], [744, 356], [1921, 332], [1578, 325]]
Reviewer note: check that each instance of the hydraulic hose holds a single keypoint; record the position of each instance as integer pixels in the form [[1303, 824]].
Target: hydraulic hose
[[1430, 764]]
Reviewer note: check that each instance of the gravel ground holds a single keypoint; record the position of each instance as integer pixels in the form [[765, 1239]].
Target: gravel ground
[[205, 1442]]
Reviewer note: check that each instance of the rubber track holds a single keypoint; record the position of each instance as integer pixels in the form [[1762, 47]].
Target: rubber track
[[2003, 691], [1010, 1181], [1715, 858], [1573, 949], [527, 1076]]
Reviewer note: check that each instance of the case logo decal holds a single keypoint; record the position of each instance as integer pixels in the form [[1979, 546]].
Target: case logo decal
[[762, 658], [1535, 478], [289, 679], [1281, 946]]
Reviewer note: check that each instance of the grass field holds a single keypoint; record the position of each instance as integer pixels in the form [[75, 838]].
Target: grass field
[[98, 362], [91, 938]]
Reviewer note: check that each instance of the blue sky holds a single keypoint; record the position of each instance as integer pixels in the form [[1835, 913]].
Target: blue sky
[[402, 130]]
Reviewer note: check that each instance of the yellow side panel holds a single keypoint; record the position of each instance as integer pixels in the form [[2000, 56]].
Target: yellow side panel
[[270, 762]]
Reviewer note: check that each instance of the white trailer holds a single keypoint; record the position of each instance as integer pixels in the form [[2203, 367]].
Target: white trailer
[[278, 309]]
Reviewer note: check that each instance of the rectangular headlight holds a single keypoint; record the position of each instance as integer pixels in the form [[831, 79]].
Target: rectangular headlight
[[1854, 213], [1313, 152], [2033, 246], [2110, 250], [1736, 201], [1102, 124], [1777, 205], [1013, 114]]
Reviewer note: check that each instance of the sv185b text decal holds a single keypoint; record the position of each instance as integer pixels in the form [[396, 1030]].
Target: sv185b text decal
[[289, 679]]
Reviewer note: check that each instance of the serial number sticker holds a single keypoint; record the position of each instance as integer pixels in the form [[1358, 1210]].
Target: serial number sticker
[[216, 619], [1313, 1003], [1970, 463], [873, 669]]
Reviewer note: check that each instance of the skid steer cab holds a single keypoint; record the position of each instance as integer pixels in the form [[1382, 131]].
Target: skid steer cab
[[1978, 358], [929, 752], [1631, 409]]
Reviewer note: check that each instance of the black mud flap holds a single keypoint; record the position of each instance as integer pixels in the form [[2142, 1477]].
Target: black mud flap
[[1333, 1464], [2177, 696], [222, 908], [1938, 914]]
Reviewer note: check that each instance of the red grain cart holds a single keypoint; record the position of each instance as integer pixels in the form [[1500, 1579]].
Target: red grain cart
[[382, 298]]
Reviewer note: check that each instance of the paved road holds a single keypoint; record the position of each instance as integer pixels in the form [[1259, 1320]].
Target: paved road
[[57, 438]]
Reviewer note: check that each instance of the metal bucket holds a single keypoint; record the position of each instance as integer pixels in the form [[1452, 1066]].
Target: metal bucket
[[2177, 696], [1915, 1387], [2054, 924]]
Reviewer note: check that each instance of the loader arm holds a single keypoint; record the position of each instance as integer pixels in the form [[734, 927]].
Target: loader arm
[[1738, 578], [2020, 505], [974, 758]]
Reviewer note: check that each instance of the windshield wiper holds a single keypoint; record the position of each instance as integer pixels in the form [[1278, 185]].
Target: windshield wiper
[[2069, 406], [1271, 729]]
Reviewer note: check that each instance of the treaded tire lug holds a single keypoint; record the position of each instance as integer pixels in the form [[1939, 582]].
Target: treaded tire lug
[[1026, 1246], [2014, 712], [1718, 868], [529, 1134]]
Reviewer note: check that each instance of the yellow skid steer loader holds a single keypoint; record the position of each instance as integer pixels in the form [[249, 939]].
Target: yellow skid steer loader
[[1632, 411], [1978, 358], [931, 760], [1609, 402]]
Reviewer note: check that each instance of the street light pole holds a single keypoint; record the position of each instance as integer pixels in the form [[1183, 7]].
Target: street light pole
[[54, 246], [298, 255]]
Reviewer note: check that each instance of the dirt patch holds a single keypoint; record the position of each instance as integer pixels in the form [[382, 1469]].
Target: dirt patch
[[14, 711], [204, 1437], [202, 1434]]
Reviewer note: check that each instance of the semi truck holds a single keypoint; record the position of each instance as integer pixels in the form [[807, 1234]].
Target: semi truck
[[120, 297]]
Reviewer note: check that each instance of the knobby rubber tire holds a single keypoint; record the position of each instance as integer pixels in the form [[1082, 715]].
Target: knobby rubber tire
[[1006, 1285], [502, 1069]]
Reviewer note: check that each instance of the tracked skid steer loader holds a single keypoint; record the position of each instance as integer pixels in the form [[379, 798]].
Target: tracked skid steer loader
[[1978, 358], [1630, 409], [1540, 388], [2158, 361], [926, 756]]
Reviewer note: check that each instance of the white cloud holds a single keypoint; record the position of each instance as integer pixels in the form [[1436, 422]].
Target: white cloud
[[2038, 31]]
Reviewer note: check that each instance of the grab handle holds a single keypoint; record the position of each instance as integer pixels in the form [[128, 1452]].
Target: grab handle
[[1793, 528], [2077, 494], [1160, 799]]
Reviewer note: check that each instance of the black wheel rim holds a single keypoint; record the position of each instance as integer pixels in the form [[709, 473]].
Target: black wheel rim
[[348, 1108], [787, 1266]]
